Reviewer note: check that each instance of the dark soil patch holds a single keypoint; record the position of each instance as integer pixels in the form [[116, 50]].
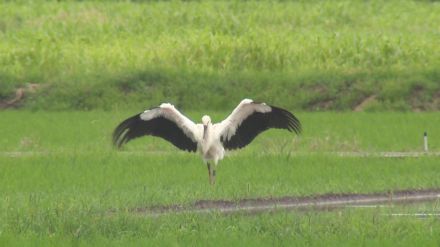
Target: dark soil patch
[[20, 94], [367, 101], [316, 202]]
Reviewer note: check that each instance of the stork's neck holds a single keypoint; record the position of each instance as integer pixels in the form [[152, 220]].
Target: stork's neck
[[207, 131], [206, 141]]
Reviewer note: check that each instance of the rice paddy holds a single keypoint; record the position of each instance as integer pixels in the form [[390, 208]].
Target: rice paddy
[[62, 182]]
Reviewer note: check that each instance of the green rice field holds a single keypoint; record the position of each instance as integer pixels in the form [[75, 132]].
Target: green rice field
[[62, 183]]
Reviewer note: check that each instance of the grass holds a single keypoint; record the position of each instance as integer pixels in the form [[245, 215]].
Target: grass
[[340, 228], [126, 181], [326, 131], [60, 178], [307, 54]]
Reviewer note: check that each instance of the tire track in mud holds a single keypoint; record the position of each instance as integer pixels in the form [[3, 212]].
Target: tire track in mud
[[304, 203]]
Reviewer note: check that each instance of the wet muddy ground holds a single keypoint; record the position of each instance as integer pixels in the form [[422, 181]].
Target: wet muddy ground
[[318, 202]]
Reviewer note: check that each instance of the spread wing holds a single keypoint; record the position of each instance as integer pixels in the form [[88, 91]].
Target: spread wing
[[163, 121], [250, 119]]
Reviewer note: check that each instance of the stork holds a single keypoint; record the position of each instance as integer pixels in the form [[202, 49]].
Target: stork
[[245, 122]]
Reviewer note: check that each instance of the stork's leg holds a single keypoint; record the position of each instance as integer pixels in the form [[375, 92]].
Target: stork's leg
[[213, 175], [209, 172], [213, 171]]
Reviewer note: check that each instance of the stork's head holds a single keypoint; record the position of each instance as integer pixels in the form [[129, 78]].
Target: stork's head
[[206, 120]]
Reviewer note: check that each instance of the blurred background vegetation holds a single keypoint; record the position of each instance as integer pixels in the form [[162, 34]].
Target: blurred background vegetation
[[303, 55]]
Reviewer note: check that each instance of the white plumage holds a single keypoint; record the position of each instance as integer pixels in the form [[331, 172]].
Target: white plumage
[[245, 122]]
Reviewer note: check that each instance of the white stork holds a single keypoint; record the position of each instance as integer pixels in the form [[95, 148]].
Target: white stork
[[247, 120]]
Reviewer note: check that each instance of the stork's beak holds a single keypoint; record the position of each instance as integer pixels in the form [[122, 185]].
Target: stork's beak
[[204, 130]]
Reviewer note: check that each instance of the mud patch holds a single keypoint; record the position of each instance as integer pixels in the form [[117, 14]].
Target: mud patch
[[20, 94], [317, 202], [416, 99], [436, 101], [365, 103]]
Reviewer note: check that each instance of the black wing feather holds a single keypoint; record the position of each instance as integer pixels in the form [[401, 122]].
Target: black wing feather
[[135, 127], [258, 122]]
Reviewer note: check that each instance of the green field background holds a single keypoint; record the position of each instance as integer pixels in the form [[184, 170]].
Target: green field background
[[84, 66], [63, 184], [307, 55]]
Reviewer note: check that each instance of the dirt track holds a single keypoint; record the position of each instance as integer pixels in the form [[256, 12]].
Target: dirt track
[[320, 202]]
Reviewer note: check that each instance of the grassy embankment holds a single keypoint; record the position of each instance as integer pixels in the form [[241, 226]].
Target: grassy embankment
[[302, 55]]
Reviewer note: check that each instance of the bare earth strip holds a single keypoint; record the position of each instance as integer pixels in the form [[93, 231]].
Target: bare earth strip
[[320, 202]]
